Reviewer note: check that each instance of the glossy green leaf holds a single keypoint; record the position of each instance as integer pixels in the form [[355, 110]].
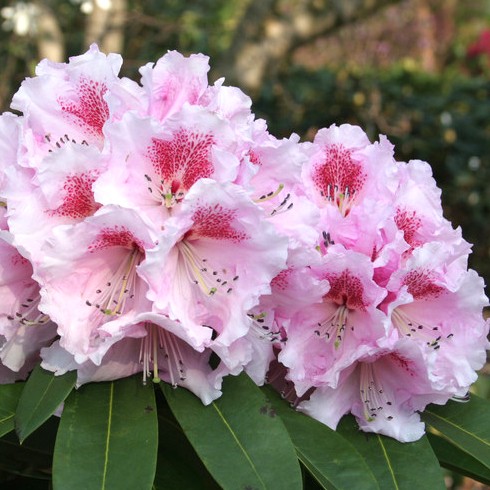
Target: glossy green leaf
[[466, 425], [458, 461], [9, 397], [42, 395], [108, 437], [178, 465], [239, 437], [333, 461], [395, 465]]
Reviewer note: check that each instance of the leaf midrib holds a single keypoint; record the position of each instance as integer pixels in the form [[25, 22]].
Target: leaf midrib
[[220, 414], [107, 441]]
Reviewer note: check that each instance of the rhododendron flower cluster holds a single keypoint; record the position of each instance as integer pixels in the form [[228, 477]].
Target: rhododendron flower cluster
[[160, 228]]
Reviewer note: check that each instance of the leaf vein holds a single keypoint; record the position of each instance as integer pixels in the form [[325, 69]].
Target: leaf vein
[[239, 444], [462, 429], [107, 441], [388, 462]]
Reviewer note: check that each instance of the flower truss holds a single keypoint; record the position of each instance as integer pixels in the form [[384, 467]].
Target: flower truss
[[160, 228]]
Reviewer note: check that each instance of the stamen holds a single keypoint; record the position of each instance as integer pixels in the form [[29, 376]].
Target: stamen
[[408, 327], [199, 272], [270, 195], [261, 330], [334, 327], [111, 299], [373, 397]]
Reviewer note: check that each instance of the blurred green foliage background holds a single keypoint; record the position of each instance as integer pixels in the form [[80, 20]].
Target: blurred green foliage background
[[415, 70]]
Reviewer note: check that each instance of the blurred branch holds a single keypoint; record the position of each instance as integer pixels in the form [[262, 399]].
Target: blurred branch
[[271, 29], [105, 26], [49, 38]]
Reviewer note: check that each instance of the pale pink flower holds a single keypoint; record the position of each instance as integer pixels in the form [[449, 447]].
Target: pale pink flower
[[89, 277], [150, 347], [328, 336], [213, 261], [152, 165], [437, 303], [418, 208], [66, 101], [345, 168], [59, 192], [24, 329], [173, 81], [384, 390]]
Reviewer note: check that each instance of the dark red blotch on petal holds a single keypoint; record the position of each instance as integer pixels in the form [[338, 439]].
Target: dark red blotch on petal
[[215, 222], [338, 172], [91, 110], [420, 284], [408, 222], [78, 201], [180, 162], [347, 290], [117, 236]]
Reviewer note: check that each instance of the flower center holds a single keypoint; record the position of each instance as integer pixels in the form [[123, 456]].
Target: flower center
[[178, 164], [339, 178]]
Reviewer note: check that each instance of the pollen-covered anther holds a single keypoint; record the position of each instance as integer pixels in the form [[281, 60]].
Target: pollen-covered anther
[[374, 399]]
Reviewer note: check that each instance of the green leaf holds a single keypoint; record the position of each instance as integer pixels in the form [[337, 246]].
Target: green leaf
[[178, 465], [333, 461], [395, 465], [466, 425], [458, 461], [9, 397], [42, 395], [239, 437], [108, 437]]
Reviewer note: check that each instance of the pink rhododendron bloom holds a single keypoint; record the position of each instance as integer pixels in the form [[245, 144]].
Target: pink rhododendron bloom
[[438, 306], [159, 228], [345, 168], [89, 277], [173, 81], [384, 391], [150, 347], [58, 193], [152, 166], [214, 259], [330, 335], [24, 329], [66, 101], [418, 209]]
